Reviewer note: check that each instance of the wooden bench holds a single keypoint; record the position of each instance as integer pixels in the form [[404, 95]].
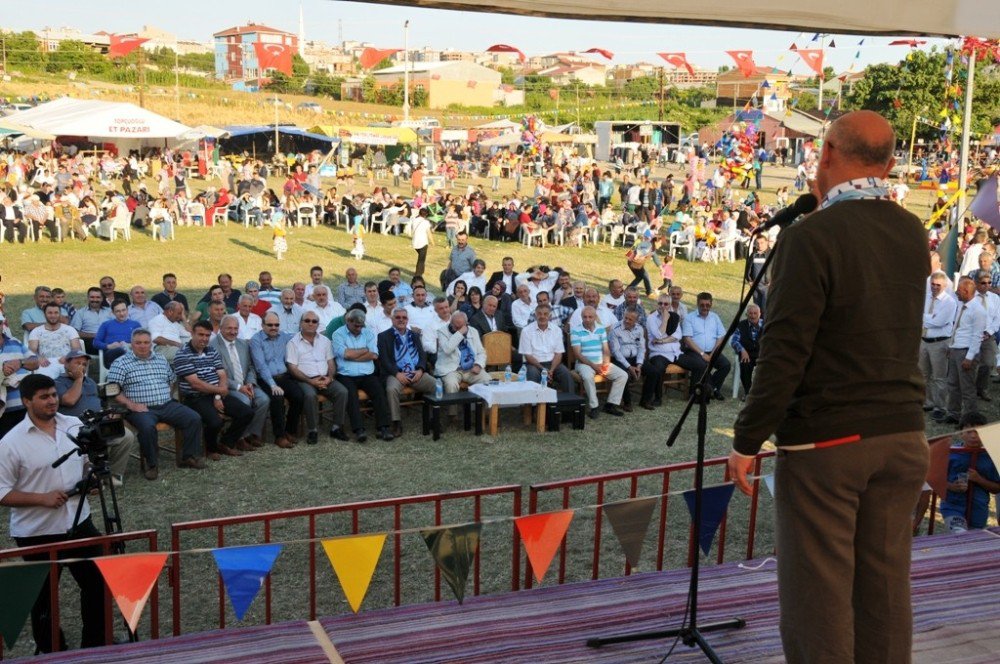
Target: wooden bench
[[678, 379]]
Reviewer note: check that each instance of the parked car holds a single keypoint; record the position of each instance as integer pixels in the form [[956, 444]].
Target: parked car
[[309, 107]]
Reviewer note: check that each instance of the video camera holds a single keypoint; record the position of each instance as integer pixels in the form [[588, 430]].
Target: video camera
[[97, 429]]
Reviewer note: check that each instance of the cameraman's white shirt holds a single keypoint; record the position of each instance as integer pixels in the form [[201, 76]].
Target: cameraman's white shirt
[[26, 458]]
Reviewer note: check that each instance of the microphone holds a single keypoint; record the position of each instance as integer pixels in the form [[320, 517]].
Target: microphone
[[804, 204]]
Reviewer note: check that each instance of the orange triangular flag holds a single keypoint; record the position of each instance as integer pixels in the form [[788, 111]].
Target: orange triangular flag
[[354, 560], [130, 579], [542, 534]]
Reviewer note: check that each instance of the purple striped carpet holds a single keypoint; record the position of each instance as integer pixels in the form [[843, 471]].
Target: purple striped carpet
[[952, 579]]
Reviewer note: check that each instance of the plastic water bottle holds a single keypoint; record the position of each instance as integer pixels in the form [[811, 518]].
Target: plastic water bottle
[[438, 389], [545, 377], [506, 374], [522, 375]]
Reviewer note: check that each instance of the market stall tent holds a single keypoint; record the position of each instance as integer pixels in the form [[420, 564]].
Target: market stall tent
[[97, 120]]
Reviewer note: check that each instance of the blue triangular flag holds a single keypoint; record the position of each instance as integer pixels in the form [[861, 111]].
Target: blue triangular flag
[[769, 483], [243, 569], [714, 502]]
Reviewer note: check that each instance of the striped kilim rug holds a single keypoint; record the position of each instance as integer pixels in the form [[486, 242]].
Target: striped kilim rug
[[957, 619]]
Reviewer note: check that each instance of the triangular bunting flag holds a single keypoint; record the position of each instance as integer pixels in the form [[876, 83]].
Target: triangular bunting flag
[[629, 520], [130, 579], [714, 502], [243, 569], [354, 560], [542, 534], [937, 470], [769, 483], [454, 550], [20, 590], [833, 44]]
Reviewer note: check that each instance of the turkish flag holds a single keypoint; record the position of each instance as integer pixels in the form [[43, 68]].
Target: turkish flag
[[505, 48], [813, 57], [273, 56], [744, 62], [600, 51], [554, 94], [122, 46], [678, 60], [470, 84], [372, 56]]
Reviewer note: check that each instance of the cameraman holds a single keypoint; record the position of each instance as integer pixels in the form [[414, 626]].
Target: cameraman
[[42, 512], [78, 394]]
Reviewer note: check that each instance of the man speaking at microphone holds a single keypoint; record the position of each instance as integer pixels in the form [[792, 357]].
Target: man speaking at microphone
[[839, 385]]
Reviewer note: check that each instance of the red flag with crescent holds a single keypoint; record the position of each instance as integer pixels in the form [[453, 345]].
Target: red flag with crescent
[[678, 60], [506, 48], [273, 56], [372, 56], [744, 62], [813, 57], [602, 52], [122, 46]]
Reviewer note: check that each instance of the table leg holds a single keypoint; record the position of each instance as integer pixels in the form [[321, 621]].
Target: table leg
[[494, 419], [425, 419], [526, 415], [557, 415], [479, 418], [467, 416], [436, 421], [540, 416]]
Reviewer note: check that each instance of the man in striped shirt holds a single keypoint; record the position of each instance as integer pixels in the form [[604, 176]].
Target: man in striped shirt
[[593, 358]]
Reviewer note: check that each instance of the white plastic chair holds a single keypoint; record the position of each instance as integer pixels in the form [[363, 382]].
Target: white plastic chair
[[306, 214], [221, 215], [123, 224], [725, 248], [154, 228], [196, 213], [677, 243], [529, 237]]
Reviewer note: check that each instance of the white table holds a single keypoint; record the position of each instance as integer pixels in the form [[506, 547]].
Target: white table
[[525, 394]]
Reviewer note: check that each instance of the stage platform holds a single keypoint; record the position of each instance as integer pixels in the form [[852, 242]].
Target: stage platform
[[956, 620]]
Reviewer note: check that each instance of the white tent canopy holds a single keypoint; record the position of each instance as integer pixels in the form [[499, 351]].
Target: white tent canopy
[[96, 120], [504, 125], [507, 140], [949, 18]]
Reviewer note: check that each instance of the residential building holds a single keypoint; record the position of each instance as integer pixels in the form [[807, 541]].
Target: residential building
[[235, 55], [446, 83], [567, 73], [767, 88]]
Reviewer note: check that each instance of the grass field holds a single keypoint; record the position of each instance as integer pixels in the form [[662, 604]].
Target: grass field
[[330, 473]]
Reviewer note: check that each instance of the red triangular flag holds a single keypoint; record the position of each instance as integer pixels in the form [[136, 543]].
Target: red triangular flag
[[372, 56], [793, 47], [122, 46], [600, 51], [744, 62], [677, 60], [506, 48], [542, 534], [813, 57], [130, 579], [273, 56], [470, 83], [554, 94]]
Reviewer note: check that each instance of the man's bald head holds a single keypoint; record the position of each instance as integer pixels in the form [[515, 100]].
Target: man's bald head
[[857, 145]]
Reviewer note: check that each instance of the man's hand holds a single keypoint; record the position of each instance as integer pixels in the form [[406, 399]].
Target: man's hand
[[54, 499], [739, 466], [966, 365], [403, 379], [974, 476], [276, 391], [744, 357], [247, 390], [635, 372], [9, 367], [219, 405], [475, 369], [43, 362]]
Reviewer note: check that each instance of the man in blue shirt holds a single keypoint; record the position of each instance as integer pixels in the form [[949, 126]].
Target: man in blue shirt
[[702, 334], [267, 351], [356, 350]]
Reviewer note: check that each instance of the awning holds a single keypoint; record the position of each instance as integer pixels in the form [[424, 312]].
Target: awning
[[369, 135], [507, 140], [94, 119], [949, 18], [285, 130]]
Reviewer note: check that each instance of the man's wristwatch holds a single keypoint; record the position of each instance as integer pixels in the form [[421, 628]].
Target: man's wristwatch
[[218, 397]]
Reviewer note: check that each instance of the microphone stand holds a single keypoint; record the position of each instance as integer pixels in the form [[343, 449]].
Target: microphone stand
[[690, 632]]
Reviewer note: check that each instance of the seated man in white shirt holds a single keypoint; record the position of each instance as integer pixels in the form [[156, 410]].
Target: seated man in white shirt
[[51, 341], [461, 356], [250, 323], [522, 308], [324, 306], [614, 296], [475, 277], [542, 347], [169, 331], [591, 298]]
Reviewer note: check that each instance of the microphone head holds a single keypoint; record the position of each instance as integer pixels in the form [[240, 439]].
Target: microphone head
[[804, 204]]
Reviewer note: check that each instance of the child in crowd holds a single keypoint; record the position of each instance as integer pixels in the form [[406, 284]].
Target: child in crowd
[[357, 235], [278, 236], [969, 488], [666, 272]]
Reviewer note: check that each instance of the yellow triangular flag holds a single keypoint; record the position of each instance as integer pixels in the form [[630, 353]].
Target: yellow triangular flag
[[354, 560]]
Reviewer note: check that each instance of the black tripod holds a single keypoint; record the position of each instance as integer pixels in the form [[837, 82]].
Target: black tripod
[[98, 477], [690, 632]]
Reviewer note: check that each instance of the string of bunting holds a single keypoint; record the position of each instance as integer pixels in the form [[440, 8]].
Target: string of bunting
[[354, 558]]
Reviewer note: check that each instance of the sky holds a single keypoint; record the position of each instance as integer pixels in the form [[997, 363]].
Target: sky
[[383, 26]]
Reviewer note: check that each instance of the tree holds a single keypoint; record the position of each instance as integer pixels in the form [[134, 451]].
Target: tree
[[73, 55], [419, 97], [369, 90], [280, 82], [23, 50], [900, 92]]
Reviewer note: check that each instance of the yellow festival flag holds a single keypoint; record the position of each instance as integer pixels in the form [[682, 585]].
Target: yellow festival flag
[[354, 560]]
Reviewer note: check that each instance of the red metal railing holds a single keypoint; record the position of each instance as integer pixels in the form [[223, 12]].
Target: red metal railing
[[355, 512], [107, 544], [594, 490]]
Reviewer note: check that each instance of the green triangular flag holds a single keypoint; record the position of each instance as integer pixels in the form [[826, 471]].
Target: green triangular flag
[[20, 584], [629, 520], [454, 548]]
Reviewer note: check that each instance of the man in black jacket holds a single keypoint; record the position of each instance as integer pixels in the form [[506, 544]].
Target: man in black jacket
[[838, 383], [402, 363], [507, 275]]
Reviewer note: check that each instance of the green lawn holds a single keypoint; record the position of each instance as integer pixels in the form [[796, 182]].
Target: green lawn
[[330, 473]]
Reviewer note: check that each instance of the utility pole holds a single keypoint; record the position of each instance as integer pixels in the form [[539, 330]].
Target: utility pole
[[659, 86], [140, 63], [963, 164], [3, 41], [406, 71]]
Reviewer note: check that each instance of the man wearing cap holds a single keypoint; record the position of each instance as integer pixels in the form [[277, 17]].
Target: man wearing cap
[[78, 394]]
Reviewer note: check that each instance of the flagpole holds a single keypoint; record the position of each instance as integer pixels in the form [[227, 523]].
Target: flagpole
[[406, 70], [142, 79], [909, 161], [963, 167]]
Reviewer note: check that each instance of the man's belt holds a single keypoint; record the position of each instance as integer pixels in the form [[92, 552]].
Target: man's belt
[[931, 340]]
